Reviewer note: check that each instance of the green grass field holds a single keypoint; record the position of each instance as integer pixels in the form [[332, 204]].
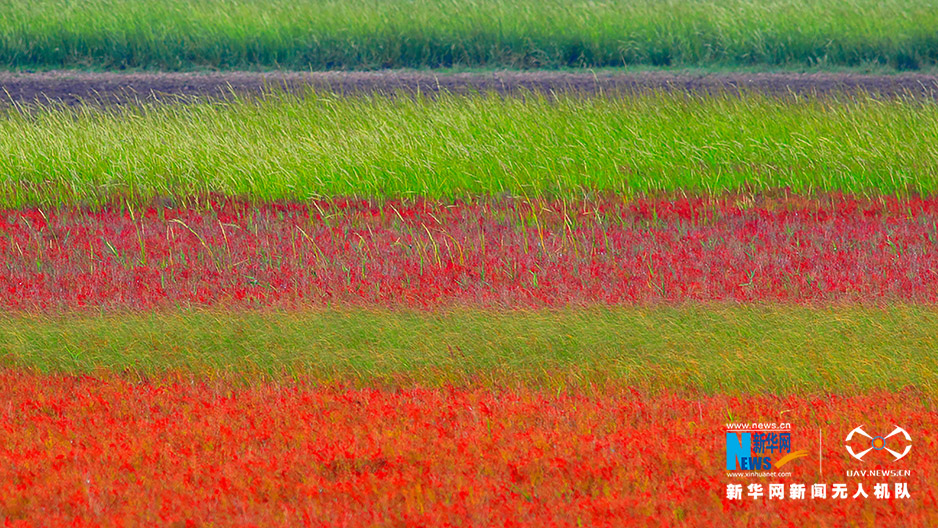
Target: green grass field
[[357, 34], [711, 348], [287, 146]]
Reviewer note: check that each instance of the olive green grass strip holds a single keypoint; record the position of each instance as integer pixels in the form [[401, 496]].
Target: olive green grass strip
[[708, 348]]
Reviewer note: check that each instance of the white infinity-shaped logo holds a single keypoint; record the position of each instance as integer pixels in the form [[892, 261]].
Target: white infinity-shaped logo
[[879, 443]]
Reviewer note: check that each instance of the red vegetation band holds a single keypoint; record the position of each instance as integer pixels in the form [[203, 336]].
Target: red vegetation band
[[488, 253], [114, 451]]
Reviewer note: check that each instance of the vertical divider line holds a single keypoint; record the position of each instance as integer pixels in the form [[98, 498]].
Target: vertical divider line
[[820, 452]]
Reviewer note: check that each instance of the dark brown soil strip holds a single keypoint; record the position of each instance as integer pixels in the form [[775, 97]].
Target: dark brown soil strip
[[116, 88]]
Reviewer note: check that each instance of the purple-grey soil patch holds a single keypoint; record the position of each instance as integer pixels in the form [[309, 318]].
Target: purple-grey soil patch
[[70, 88]]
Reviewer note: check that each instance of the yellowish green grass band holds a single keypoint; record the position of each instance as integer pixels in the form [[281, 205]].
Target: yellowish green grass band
[[297, 147]]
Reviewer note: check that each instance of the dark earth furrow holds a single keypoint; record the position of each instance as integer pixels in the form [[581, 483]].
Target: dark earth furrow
[[71, 87]]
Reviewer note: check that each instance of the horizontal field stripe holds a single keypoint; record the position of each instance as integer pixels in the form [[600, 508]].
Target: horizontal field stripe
[[77, 450], [114, 88], [567, 146], [714, 348], [355, 34], [489, 253]]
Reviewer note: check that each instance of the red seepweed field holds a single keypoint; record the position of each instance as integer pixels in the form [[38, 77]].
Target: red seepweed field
[[117, 450], [189, 448], [518, 253], [394, 443], [468, 299]]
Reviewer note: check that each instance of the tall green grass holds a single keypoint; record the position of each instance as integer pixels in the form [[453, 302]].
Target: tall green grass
[[286, 146], [709, 348], [365, 34]]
